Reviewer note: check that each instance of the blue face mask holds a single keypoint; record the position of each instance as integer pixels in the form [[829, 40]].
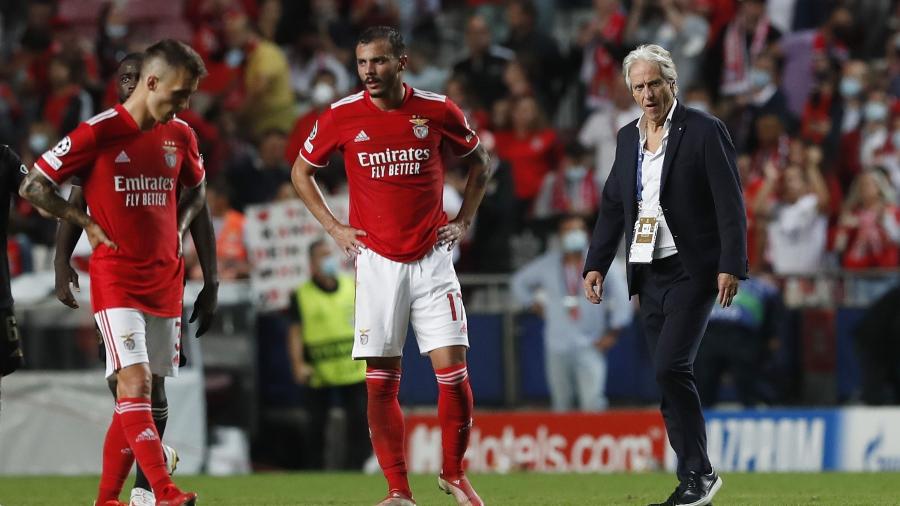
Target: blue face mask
[[576, 173], [850, 87], [330, 265], [574, 241], [759, 78], [875, 111]]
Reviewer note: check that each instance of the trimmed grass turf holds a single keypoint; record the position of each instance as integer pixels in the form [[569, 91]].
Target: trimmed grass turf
[[277, 489]]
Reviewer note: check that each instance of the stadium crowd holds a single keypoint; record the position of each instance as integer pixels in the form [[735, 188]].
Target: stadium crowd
[[809, 90]]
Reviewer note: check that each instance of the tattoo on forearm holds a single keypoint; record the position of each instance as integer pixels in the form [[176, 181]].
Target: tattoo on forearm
[[38, 190]]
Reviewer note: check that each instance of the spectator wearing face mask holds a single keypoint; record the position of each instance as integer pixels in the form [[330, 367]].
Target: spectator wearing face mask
[[762, 98], [853, 91], [570, 189], [875, 134], [323, 93], [577, 334]]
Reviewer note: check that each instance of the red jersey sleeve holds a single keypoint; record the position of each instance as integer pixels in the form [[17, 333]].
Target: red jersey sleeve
[[321, 142], [192, 171], [462, 139], [74, 155]]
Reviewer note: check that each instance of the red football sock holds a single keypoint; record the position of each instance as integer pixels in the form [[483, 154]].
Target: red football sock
[[386, 426], [140, 431], [455, 406], [117, 460]]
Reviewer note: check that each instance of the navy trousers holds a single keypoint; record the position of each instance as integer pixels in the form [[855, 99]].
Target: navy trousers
[[675, 310]]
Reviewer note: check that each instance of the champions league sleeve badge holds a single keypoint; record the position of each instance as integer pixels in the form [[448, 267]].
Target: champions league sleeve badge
[[171, 154], [420, 127]]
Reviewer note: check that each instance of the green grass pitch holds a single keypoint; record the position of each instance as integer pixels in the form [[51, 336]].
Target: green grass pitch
[[308, 489]]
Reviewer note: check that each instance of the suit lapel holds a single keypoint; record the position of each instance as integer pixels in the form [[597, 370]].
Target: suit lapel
[[631, 164], [675, 133]]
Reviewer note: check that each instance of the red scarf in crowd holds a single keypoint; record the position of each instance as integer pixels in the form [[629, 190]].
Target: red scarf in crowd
[[736, 64]]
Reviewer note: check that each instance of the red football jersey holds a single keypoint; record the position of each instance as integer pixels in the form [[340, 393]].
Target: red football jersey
[[130, 180], [394, 167]]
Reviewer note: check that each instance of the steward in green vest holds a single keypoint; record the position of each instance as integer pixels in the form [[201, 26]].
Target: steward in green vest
[[320, 346], [327, 333]]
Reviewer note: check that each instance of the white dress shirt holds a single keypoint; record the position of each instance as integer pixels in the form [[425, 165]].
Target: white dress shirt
[[651, 177]]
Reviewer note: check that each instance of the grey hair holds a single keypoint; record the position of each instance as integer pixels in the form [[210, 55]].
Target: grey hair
[[653, 54]]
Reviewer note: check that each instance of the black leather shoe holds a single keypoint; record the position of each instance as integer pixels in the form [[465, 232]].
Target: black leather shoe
[[671, 501], [699, 489]]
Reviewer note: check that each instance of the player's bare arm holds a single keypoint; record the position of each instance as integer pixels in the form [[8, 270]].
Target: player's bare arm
[[38, 190], [190, 203], [67, 236], [303, 178], [205, 242], [479, 161]]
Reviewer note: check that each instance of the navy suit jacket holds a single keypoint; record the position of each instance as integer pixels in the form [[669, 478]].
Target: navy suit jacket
[[700, 195]]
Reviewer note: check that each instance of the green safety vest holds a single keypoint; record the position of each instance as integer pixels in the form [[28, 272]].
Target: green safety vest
[[327, 320]]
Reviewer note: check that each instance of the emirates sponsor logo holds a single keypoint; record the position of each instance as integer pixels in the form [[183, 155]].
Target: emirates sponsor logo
[[394, 162]]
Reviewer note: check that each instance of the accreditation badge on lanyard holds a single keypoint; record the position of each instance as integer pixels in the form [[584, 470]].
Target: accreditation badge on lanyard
[[646, 225]]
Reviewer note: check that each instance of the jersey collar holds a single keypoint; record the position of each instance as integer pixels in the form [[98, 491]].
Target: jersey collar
[[407, 93]]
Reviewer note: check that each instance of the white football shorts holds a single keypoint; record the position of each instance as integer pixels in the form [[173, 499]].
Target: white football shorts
[[390, 295], [132, 337]]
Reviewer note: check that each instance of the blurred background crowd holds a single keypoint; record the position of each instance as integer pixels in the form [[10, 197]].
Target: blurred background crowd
[[808, 89]]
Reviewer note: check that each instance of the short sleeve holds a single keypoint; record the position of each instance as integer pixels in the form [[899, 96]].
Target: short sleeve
[[321, 142], [192, 171], [462, 139], [73, 156]]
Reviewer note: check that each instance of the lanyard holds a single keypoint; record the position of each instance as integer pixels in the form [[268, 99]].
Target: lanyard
[[639, 184]]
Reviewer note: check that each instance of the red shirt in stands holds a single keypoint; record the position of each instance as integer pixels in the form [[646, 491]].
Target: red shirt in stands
[[531, 157], [130, 179], [394, 167]]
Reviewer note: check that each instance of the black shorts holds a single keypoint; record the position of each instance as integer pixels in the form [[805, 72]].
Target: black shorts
[[11, 357]]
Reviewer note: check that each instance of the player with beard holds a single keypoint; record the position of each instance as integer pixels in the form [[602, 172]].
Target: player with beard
[[127, 76], [132, 159], [391, 136]]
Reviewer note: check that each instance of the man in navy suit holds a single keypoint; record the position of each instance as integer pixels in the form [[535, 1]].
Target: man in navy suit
[[675, 192]]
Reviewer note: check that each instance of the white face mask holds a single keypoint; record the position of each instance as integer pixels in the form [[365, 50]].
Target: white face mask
[[574, 241], [576, 173], [322, 94], [38, 143]]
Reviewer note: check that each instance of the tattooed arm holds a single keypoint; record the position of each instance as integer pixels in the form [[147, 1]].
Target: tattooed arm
[[38, 190]]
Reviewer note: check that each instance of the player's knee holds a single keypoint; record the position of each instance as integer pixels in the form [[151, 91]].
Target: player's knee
[[134, 381], [383, 362]]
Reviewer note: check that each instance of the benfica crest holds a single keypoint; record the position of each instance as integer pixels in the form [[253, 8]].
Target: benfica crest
[[171, 153], [420, 127]]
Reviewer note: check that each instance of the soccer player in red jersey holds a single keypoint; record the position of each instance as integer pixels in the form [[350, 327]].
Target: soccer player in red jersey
[[67, 236], [131, 159], [391, 136]]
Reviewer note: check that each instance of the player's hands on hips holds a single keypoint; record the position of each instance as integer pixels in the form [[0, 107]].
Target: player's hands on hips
[[347, 239], [593, 287], [728, 287], [205, 307], [65, 274], [451, 233], [97, 236]]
